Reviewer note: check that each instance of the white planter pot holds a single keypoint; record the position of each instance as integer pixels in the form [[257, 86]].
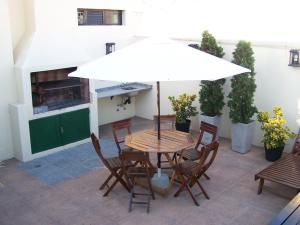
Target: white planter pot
[[214, 120], [242, 136]]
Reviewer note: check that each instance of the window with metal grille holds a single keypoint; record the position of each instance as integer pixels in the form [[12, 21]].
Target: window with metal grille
[[96, 17]]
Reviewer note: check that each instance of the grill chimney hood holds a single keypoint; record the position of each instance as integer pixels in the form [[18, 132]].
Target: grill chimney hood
[[39, 51]]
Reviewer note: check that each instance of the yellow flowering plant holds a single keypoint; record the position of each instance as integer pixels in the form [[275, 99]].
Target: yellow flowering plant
[[183, 107], [275, 131]]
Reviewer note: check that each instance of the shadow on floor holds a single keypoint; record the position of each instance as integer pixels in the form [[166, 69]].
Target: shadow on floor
[[68, 164]]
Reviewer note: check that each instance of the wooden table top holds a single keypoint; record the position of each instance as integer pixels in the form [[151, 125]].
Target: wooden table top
[[171, 141]]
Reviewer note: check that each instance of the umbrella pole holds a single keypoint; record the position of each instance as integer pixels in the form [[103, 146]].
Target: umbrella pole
[[158, 128], [158, 110]]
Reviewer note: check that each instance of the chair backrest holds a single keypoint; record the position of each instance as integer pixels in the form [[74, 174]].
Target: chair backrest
[[166, 121], [206, 128], [208, 154], [97, 148], [117, 128], [212, 152], [296, 147], [132, 157]]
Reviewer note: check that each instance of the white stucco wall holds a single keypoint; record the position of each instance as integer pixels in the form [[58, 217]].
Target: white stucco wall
[[277, 85], [109, 111], [7, 84], [17, 20]]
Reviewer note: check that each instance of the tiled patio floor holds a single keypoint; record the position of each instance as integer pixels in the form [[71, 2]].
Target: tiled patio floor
[[24, 200]]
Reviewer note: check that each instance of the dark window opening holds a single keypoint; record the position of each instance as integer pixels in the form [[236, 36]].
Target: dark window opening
[[53, 89], [94, 17]]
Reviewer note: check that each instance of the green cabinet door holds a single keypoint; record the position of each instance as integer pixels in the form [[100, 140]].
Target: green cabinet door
[[75, 126], [44, 133]]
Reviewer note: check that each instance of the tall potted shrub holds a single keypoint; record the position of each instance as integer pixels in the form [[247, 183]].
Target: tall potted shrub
[[184, 110], [211, 95], [241, 99], [275, 133]]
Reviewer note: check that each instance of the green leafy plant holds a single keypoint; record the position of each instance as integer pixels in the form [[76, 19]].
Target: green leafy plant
[[183, 108], [275, 131], [241, 96], [211, 95], [210, 46]]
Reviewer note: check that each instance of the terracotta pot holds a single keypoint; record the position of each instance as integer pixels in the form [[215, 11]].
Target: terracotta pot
[[273, 154], [184, 127]]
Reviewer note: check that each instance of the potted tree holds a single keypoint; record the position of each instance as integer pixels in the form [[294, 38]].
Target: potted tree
[[184, 110], [275, 133], [241, 99], [211, 95]]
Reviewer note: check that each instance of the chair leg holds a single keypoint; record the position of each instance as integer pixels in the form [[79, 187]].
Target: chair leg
[[110, 188], [202, 189], [124, 184], [120, 179], [191, 194], [174, 158], [130, 200], [183, 183], [150, 188], [106, 182], [206, 176], [148, 204]]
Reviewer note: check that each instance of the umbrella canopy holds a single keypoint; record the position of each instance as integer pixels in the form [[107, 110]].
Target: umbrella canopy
[[158, 59]]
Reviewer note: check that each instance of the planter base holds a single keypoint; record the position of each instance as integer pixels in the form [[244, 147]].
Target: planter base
[[184, 127], [242, 136], [273, 154]]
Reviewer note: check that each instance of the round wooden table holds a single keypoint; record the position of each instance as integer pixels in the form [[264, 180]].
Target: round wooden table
[[171, 141]]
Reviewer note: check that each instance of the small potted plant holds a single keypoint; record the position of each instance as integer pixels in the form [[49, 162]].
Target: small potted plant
[[275, 133], [184, 110]]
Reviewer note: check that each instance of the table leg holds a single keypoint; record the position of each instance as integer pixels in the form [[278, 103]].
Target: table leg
[[260, 186], [173, 173]]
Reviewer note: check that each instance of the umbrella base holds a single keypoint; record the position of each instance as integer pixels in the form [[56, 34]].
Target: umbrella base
[[161, 181], [161, 191]]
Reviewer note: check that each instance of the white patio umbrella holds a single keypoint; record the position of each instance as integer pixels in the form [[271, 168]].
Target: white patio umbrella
[[158, 59]]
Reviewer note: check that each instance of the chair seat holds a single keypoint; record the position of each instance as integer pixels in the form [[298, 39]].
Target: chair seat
[[186, 167], [139, 172], [129, 149], [191, 154], [116, 163]]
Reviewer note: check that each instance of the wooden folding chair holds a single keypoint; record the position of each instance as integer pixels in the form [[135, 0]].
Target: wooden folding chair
[[166, 121], [121, 127], [193, 153], [144, 170], [113, 164], [189, 172]]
